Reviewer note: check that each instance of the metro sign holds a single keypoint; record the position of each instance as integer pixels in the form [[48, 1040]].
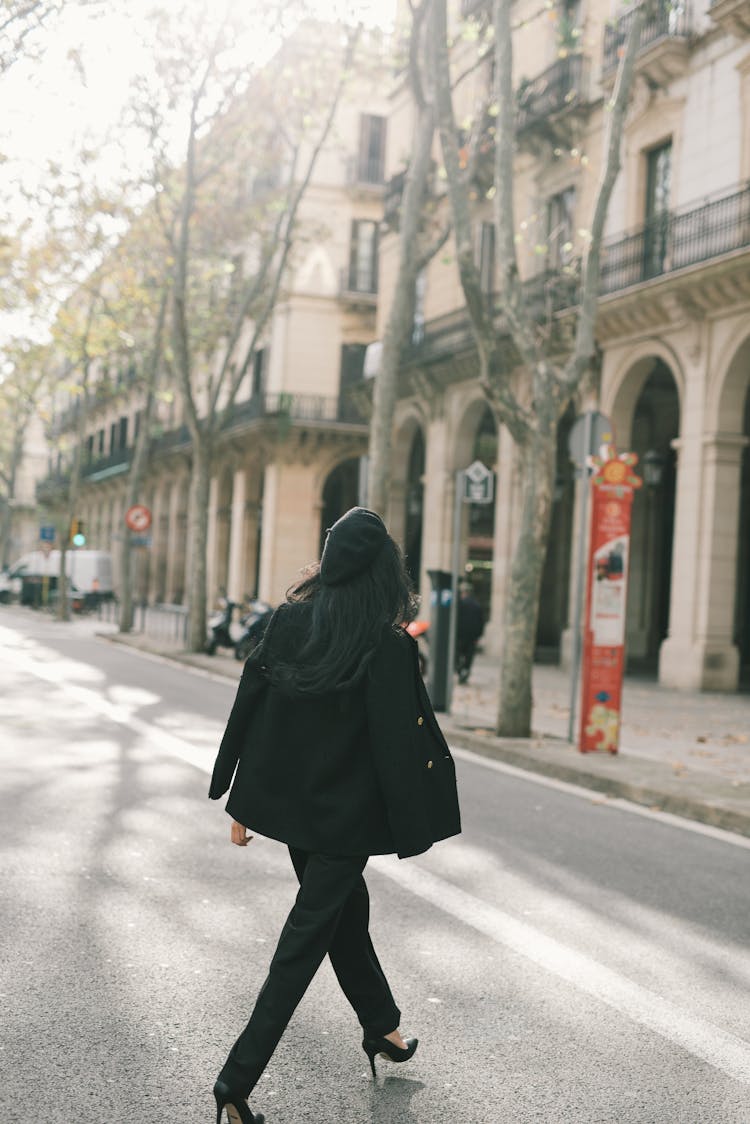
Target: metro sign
[[479, 483]]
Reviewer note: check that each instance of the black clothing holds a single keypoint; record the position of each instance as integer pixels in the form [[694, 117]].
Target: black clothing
[[354, 542], [331, 915], [469, 627], [337, 776], [362, 771]]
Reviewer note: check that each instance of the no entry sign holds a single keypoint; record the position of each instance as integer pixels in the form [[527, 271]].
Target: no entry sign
[[613, 485], [138, 518]]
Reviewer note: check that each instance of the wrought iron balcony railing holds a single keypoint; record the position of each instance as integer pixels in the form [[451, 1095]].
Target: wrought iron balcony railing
[[364, 169], [562, 86], [677, 239], [668, 19], [667, 243], [109, 465]]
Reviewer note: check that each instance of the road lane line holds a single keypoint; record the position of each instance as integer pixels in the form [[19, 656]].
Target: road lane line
[[719, 1048], [593, 795]]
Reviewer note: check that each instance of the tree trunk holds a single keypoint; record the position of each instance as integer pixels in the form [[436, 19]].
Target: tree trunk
[[538, 466], [6, 521], [137, 472], [400, 316], [197, 541]]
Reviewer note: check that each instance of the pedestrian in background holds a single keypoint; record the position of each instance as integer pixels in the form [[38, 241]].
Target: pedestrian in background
[[469, 628], [337, 754]]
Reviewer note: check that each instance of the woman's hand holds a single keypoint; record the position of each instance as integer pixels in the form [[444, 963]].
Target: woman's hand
[[239, 834]]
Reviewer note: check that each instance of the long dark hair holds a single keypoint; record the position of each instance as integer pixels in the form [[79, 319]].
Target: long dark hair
[[323, 637]]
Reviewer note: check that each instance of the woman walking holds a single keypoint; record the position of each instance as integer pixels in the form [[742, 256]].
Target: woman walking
[[335, 751]]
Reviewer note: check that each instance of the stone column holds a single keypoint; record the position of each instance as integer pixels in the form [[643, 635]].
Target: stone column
[[237, 583], [291, 527], [211, 544], [699, 652]]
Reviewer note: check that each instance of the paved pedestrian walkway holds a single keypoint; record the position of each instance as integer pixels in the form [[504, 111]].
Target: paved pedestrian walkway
[[686, 752]]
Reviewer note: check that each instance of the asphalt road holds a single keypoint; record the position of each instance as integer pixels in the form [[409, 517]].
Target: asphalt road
[[564, 961]]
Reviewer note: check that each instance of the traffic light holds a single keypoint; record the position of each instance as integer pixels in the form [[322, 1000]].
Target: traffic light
[[77, 532]]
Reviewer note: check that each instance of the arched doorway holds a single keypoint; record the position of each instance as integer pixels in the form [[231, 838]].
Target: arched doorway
[[553, 597], [414, 506], [340, 492], [481, 519], [742, 609], [655, 426]]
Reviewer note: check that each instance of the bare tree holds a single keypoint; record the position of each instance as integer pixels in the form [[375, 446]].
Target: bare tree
[[418, 244], [211, 357], [23, 380], [529, 404]]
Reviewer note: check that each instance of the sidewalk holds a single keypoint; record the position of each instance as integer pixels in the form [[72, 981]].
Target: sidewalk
[[687, 753]]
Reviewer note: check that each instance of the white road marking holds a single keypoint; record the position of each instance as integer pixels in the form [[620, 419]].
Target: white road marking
[[592, 795], [719, 1048]]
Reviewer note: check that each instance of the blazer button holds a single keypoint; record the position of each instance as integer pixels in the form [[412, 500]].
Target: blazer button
[[420, 721], [429, 764]]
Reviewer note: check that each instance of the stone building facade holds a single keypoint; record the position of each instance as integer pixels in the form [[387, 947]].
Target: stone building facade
[[673, 327], [673, 332], [290, 457]]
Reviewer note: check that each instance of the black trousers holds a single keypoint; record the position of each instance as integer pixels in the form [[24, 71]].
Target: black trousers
[[330, 915]]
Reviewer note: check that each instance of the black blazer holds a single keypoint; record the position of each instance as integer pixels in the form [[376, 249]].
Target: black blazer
[[364, 771]]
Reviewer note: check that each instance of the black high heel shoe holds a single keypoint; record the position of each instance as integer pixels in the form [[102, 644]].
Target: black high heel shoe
[[388, 1049], [238, 1111]]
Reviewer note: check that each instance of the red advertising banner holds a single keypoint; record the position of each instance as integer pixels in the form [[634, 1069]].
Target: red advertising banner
[[613, 487]]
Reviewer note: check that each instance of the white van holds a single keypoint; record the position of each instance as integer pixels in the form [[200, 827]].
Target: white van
[[89, 573]]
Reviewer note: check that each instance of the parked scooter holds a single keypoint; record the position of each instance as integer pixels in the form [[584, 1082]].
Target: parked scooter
[[222, 631], [254, 622]]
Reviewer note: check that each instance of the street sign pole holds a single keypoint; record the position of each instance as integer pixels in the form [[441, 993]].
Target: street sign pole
[[581, 561], [455, 564]]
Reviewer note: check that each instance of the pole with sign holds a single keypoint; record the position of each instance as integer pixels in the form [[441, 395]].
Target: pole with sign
[[589, 432], [475, 484], [613, 487]]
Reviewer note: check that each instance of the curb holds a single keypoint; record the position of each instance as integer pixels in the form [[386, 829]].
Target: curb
[[535, 756]]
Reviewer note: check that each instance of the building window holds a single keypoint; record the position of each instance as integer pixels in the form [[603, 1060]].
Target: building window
[[658, 192], [560, 219], [363, 257], [89, 449], [487, 257], [352, 362], [371, 156], [113, 438], [122, 435], [100, 442]]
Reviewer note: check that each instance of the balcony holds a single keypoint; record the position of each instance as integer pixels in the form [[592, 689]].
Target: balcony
[[358, 287], [664, 47], [296, 408], [104, 467], [732, 16], [668, 244], [676, 240], [557, 91], [367, 172]]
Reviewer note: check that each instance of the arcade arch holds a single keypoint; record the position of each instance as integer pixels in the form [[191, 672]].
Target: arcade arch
[[340, 492], [646, 417]]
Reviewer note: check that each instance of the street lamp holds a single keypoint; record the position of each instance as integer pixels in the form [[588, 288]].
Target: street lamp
[[653, 468]]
